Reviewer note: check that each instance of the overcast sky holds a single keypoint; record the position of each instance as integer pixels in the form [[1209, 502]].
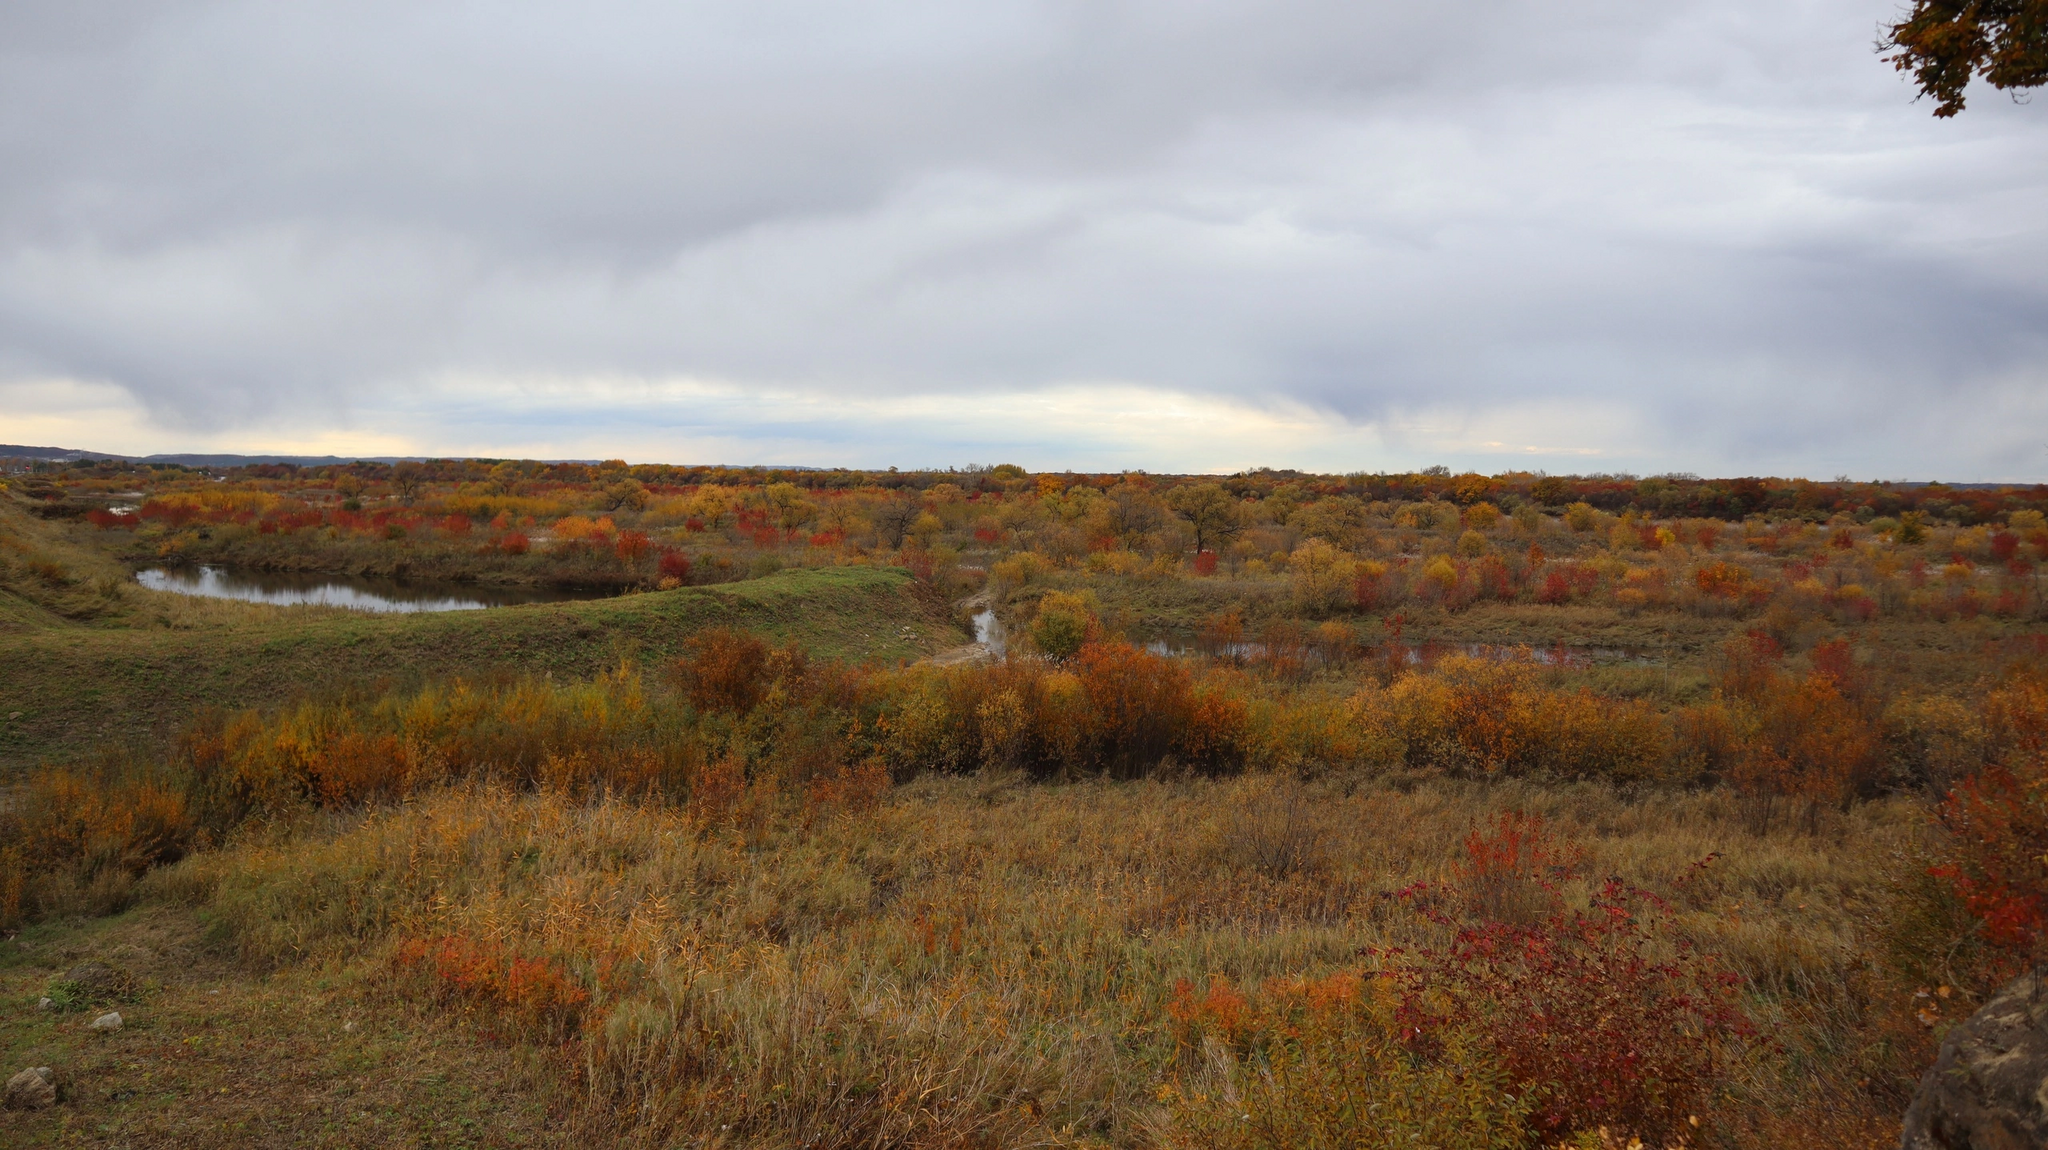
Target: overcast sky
[[1176, 235]]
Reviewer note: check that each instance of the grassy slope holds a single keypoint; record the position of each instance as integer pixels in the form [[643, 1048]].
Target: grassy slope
[[213, 1055], [76, 686]]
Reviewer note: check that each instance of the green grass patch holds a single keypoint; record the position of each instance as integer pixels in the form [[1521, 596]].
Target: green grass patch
[[66, 690]]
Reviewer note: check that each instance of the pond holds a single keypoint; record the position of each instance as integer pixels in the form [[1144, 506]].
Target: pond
[[357, 593]]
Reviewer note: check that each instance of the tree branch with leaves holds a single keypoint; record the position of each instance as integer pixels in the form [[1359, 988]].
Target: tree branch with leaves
[[1944, 43]]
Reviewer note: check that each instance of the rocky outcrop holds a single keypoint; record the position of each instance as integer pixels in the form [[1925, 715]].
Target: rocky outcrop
[[1988, 1090]]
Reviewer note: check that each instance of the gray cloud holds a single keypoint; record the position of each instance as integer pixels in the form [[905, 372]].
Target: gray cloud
[[1718, 235]]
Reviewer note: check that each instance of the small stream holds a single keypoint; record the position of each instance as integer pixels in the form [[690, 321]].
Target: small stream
[[356, 593], [989, 632]]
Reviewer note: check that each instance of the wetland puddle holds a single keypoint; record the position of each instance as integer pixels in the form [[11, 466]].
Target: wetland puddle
[[356, 593]]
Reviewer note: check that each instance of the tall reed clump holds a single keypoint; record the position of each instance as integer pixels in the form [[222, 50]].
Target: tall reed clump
[[75, 840]]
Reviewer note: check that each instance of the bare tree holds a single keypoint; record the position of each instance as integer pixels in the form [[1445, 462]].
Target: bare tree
[[894, 518], [406, 479]]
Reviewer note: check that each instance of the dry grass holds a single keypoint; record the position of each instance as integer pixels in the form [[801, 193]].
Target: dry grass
[[978, 961]]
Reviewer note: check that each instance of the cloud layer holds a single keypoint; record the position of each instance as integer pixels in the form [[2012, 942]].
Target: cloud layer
[[1184, 234]]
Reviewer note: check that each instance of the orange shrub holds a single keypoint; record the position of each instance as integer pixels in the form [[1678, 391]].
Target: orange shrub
[[1815, 737], [536, 997], [1138, 702], [353, 766], [725, 670]]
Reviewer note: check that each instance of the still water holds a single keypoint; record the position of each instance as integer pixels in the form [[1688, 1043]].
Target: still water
[[353, 592], [988, 631]]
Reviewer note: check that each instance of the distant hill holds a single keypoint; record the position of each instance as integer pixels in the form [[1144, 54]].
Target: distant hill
[[191, 459]]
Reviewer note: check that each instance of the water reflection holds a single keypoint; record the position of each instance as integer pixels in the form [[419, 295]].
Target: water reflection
[[352, 592], [988, 631]]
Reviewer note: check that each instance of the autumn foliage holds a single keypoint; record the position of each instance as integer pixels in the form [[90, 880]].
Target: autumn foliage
[[1580, 1020]]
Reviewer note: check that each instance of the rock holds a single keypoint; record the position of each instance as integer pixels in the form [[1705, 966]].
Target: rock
[[96, 978], [108, 1021], [1988, 1089], [46, 1003], [32, 1089]]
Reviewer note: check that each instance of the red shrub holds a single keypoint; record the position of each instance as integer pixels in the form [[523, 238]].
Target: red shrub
[[1495, 580], [675, 565], [1999, 824], [1722, 580], [1212, 738], [1205, 563], [1581, 1016], [1371, 590], [631, 546], [103, 519], [514, 543]]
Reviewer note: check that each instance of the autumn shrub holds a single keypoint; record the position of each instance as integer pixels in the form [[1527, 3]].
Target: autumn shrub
[[1065, 622], [534, 998], [1815, 739], [1373, 587], [1997, 823], [1600, 1017], [1222, 635], [1139, 703], [1492, 716], [1707, 741], [1511, 868], [1322, 577], [724, 670], [76, 839], [674, 565]]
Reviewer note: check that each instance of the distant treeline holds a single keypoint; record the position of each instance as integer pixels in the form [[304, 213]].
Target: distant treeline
[[1660, 496]]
